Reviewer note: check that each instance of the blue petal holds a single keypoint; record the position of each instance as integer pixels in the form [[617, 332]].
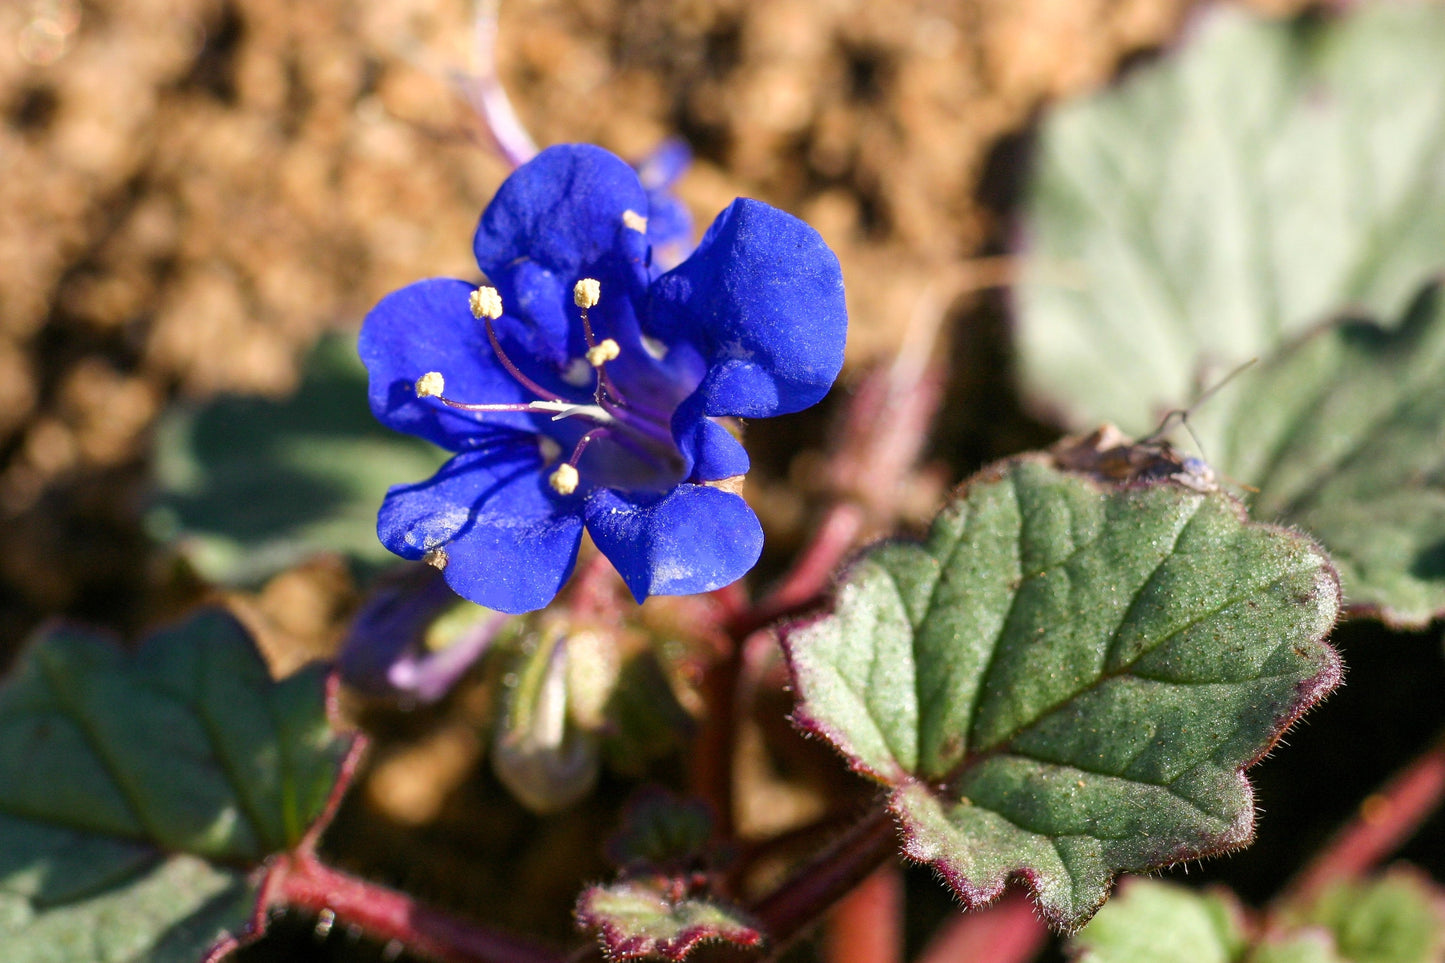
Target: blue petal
[[762, 297], [428, 326], [711, 451], [557, 219], [669, 222], [693, 539], [510, 541]]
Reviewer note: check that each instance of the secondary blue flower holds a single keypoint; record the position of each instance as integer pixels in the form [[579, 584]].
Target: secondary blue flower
[[582, 389]]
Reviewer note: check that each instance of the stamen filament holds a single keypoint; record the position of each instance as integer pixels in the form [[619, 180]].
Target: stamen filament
[[522, 379]]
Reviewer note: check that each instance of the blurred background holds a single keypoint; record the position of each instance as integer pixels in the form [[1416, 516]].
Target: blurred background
[[193, 191]]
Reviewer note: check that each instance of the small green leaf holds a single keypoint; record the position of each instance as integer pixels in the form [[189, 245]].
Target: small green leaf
[[1162, 923], [1394, 919], [1217, 203], [660, 830], [1310, 946], [117, 771], [636, 919], [1067, 679], [249, 486], [1343, 433]]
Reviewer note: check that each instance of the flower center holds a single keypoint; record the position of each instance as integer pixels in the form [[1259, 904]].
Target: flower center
[[641, 434]]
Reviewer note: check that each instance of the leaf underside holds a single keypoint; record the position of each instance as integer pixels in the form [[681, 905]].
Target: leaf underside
[[635, 919], [249, 486], [121, 775], [1217, 203], [1067, 679], [1343, 434]]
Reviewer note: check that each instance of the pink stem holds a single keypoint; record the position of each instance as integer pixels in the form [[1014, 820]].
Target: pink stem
[[812, 572], [1009, 931], [484, 91], [302, 882], [1385, 821], [818, 884], [867, 925]]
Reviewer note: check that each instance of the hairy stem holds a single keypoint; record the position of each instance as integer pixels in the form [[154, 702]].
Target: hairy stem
[[1386, 819], [813, 888]]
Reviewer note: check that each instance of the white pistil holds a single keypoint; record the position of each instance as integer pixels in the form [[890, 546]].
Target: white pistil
[[586, 293], [635, 221], [565, 409], [486, 303], [604, 351], [430, 385], [564, 479]]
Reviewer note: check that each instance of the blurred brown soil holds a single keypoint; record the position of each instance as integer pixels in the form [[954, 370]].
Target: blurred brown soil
[[191, 191]]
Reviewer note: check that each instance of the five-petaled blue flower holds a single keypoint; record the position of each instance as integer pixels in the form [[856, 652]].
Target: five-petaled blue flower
[[581, 390]]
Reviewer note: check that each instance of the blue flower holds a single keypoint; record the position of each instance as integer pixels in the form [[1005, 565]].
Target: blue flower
[[582, 389]]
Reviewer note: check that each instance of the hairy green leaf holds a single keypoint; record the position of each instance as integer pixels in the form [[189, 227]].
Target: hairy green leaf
[[118, 770], [636, 918], [248, 486], [1068, 678], [1343, 434], [1224, 199]]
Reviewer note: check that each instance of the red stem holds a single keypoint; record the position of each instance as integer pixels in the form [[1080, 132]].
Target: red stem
[[299, 880], [1009, 931], [1384, 822], [867, 925], [827, 878], [813, 570]]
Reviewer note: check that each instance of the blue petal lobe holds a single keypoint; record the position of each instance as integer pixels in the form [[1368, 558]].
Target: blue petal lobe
[[693, 539], [510, 541], [559, 218], [762, 298], [428, 326], [712, 453]]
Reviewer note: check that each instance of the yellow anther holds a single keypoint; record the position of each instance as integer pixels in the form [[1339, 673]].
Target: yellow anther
[[564, 479], [604, 351], [436, 558], [586, 293], [486, 303], [635, 221], [430, 385]]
